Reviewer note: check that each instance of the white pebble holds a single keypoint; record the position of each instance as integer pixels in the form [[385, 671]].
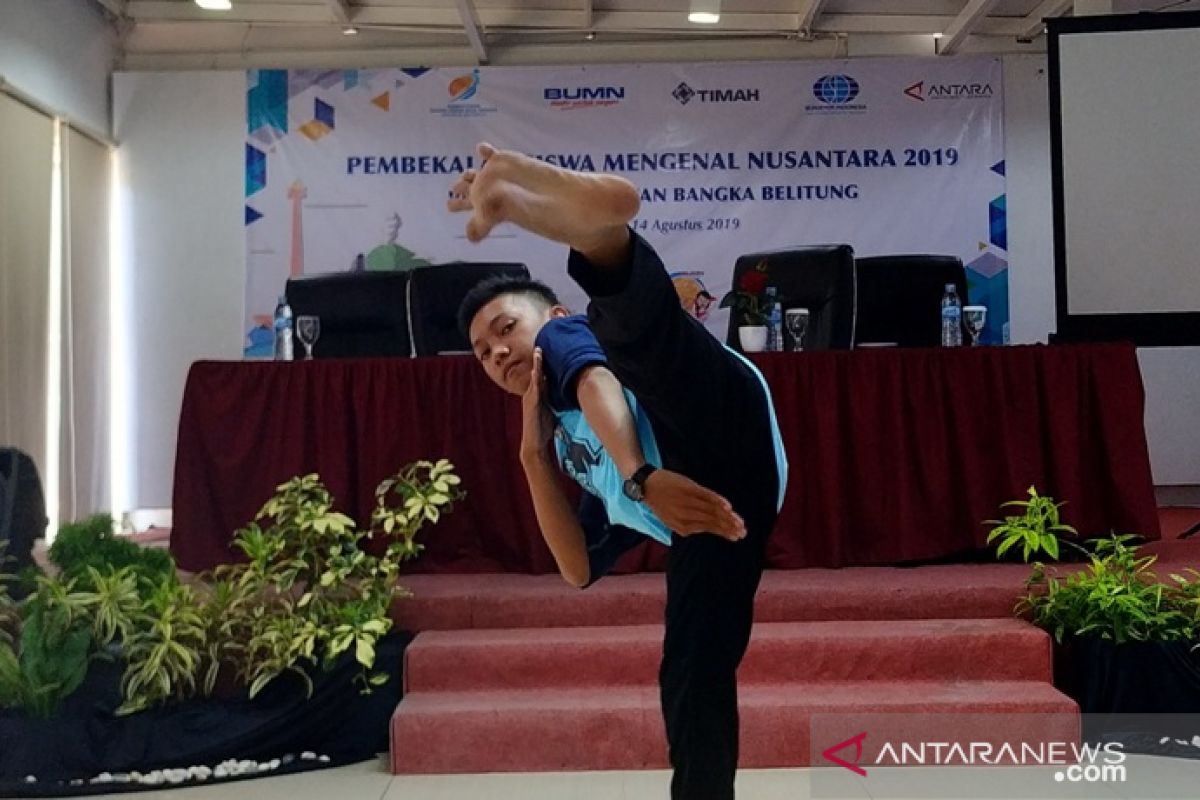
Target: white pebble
[[274, 762], [104, 777], [135, 776], [1164, 740], [30, 779], [120, 777], [1196, 740], [1181, 741], [77, 781], [323, 759], [221, 771], [248, 766], [308, 755]]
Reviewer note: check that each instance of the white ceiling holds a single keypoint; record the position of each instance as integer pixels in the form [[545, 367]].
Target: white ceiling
[[177, 34]]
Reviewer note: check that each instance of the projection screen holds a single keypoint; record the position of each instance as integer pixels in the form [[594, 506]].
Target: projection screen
[[1125, 139]]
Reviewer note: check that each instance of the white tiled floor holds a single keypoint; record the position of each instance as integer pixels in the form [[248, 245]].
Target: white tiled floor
[[1147, 778]]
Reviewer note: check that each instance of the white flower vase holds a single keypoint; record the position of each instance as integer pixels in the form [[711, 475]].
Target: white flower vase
[[753, 338]]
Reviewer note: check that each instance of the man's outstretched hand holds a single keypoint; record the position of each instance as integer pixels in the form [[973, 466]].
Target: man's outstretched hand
[[686, 507]]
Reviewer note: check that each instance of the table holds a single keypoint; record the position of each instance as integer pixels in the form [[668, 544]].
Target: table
[[896, 455]]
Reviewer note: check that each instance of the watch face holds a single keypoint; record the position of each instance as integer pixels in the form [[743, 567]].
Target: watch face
[[633, 490]]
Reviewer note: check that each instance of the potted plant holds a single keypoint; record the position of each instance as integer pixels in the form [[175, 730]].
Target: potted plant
[[1125, 641], [307, 614], [747, 299]]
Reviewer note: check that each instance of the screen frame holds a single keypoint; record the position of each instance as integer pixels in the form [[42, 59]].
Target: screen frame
[[1165, 329]]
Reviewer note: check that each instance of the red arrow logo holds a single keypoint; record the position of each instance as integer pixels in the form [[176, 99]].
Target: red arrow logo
[[853, 767], [914, 91]]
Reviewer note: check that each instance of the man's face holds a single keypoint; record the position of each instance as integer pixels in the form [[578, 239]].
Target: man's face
[[502, 336]]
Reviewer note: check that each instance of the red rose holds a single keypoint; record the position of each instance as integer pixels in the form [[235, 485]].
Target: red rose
[[753, 281]]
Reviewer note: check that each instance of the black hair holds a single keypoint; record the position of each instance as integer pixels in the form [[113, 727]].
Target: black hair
[[489, 289]]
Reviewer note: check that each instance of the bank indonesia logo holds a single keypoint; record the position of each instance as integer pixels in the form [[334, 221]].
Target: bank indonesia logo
[[836, 90]]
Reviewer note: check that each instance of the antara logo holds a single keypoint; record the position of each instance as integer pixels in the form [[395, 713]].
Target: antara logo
[[948, 91], [831, 753]]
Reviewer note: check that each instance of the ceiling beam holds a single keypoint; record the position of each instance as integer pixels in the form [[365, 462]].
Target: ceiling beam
[[447, 18], [114, 7], [964, 25], [1035, 22], [341, 10], [807, 15], [470, 22]]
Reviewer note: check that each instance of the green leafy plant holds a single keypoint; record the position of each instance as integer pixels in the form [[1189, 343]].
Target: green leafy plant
[[51, 655], [310, 590], [1036, 530], [164, 650], [112, 603], [90, 543], [1115, 596]]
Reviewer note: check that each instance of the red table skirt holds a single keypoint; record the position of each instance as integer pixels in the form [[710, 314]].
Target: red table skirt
[[896, 455]]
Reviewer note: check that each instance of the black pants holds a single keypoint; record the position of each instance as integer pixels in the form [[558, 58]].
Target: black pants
[[710, 415]]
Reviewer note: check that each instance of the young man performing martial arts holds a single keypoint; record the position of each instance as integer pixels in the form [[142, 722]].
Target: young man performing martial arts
[[670, 433]]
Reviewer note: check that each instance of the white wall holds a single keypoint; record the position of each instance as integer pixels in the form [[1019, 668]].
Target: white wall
[[188, 260], [181, 162], [61, 52]]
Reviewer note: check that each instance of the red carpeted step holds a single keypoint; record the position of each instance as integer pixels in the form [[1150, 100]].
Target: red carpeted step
[[452, 602], [621, 728], [529, 658]]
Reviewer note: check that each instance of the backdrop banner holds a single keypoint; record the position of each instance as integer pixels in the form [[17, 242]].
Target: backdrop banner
[[350, 169]]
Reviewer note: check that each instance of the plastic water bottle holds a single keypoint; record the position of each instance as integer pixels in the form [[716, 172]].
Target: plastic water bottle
[[774, 321], [283, 330], [951, 317]]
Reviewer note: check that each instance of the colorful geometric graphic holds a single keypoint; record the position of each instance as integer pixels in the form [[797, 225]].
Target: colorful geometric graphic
[[267, 104], [998, 222], [384, 101], [252, 215], [323, 122], [987, 285], [998, 168]]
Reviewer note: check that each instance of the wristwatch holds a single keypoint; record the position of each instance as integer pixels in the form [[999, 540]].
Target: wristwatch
[[635, 485]]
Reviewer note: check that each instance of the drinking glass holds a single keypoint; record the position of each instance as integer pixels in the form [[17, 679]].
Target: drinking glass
[[796, 320], [974, 317], [308, 330]]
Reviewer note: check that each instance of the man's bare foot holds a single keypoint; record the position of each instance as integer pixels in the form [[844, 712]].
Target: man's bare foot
[[584, 211]]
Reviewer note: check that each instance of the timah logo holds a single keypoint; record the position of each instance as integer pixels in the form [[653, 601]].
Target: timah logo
[[685, 94], [835, 90], [949, 91]]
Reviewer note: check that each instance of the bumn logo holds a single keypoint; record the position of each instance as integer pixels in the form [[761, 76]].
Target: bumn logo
[[584, 93]]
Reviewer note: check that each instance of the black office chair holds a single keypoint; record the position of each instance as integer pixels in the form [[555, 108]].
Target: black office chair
[[362, 313], [22, 512], [817, 277], [434, 296], [900, 297]]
